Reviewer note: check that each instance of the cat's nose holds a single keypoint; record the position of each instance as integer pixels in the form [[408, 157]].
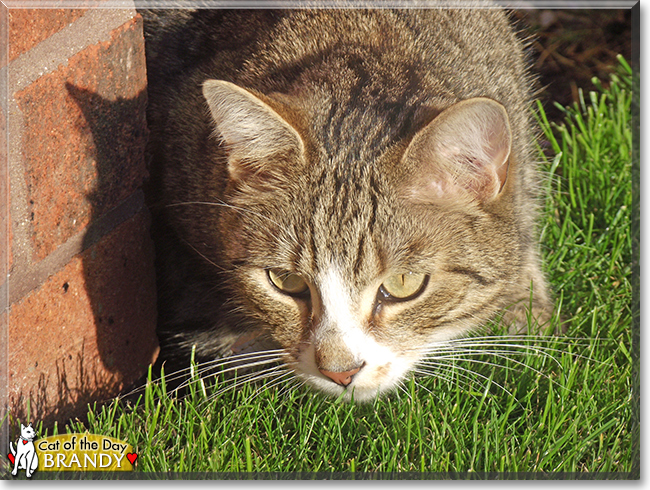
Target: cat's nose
[[341, 378]]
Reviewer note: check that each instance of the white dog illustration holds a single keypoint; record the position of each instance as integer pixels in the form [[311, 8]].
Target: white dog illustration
[[25, 452]]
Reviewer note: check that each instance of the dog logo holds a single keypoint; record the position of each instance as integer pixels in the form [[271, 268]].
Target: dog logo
[[24, 456]]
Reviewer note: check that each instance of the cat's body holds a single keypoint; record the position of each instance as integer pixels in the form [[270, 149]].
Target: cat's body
[[352, 186], [25, 457]]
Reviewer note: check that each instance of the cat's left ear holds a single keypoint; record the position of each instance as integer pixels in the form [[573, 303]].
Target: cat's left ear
[[463, 153], [258, 141]]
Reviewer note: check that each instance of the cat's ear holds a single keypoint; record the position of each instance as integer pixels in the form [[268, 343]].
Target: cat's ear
[[258, 141], [462, 153]]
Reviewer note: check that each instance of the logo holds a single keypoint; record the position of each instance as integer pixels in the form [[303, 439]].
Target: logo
[[69, 452], [24, 456]]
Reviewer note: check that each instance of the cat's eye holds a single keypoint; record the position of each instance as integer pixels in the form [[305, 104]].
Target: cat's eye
[[401, 287], [288, 282]]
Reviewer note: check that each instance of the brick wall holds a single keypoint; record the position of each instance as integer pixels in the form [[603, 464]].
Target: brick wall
[[77, 292]]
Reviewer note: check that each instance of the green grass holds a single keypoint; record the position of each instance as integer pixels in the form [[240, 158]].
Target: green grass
[[558, 404]]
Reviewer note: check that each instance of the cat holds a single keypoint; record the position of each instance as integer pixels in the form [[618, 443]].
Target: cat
[[339, 190], [25, 457]]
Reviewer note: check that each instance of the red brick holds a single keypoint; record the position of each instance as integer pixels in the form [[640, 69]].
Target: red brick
[[5, 221], [3, 357], [28, 27], [84, 136], [88, 331]]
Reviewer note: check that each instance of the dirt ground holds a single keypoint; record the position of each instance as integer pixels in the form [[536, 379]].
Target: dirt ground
[[571, 46]]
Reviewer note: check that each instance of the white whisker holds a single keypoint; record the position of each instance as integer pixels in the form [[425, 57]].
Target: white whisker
[[293, 384], [241, 367], [437, 374], [224, 205], [461, 356], [224, 361], [267, 386], [203, 256], [400, 386], [440, 374], [494, 365], [249, 378], [487, 379]]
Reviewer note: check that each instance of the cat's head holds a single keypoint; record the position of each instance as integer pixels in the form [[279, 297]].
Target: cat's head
[[357, 266], [27, 432]]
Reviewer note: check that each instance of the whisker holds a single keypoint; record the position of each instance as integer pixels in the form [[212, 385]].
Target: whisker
[[440, 374], [267, 386], [291, 385], [494, 353], [536, 338], [437, 375], [203, 256], [422, 387], [517, 349], [223, 361], [232, 369], [241, 361], [494, 365], [400, 386], [211, 368], [517, 342], [249, 378], [443, 369], [224, 205], [572, 341], [511, 355], [489, 380]]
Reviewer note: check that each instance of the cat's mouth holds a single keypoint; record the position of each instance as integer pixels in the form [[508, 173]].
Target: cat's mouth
[[367, 378], [364, 383]]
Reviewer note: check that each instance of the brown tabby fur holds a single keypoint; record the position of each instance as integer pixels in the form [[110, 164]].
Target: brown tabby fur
[[351, 95]]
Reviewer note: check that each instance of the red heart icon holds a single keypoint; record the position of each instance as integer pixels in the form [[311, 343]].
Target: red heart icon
[[131, 457], [11, 458]]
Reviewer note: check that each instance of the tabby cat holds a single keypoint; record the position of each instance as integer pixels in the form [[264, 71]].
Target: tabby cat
[[339, 190]]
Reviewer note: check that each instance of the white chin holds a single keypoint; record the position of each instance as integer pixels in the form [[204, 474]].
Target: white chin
[[374, 378], [346, 393]]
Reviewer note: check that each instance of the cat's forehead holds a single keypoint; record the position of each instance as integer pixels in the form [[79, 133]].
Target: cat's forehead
[[354, 227], [354, 130]]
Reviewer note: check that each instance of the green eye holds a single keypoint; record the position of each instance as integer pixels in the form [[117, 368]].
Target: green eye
[[403, 286], [287, 282]]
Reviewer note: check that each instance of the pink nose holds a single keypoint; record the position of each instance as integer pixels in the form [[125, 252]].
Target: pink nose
[[343, 379]]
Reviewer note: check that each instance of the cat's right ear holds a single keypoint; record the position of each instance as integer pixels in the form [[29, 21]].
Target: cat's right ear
[[258, 141]]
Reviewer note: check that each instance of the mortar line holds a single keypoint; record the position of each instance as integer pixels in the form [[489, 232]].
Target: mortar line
[[27, 280], [94, 27], [95, 21]]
